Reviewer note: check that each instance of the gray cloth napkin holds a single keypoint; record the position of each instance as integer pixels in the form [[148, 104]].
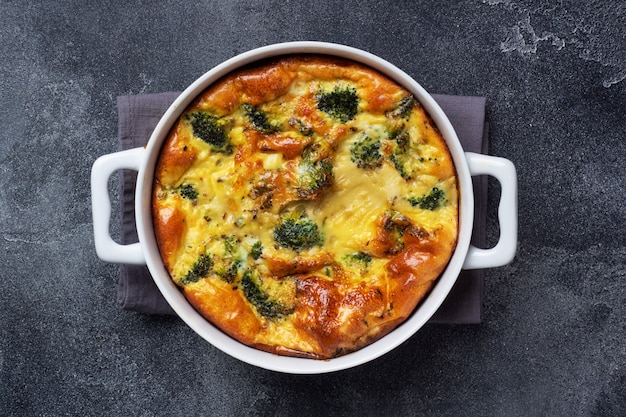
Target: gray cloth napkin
[[139, 114]]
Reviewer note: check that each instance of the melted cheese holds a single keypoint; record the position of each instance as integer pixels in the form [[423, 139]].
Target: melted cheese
[[381, 240]]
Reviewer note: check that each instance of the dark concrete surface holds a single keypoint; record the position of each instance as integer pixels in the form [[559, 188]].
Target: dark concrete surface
[[553, 338]]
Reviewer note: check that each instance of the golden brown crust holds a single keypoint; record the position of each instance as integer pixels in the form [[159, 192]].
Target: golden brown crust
[[384, 232], [213, 301], [169, 226], [175, 159]]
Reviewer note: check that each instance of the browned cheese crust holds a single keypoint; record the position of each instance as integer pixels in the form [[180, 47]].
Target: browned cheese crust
[[305, 206]]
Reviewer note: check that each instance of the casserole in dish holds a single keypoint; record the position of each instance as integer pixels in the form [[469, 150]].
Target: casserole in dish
[[460, 254]]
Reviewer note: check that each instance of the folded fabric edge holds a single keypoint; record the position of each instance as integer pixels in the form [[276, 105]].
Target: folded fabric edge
[[464, 303]]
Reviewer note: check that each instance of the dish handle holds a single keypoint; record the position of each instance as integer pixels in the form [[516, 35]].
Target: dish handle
[[504, 251], [106, 248]]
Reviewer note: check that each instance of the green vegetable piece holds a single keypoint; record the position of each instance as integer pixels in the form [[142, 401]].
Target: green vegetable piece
[[259, 299], [298, 233], [258, 119], [229, 271], [210, 129], [358, 258], [231, 244], [431, 201], [314, 177], [315, 172], [401, 138], [397, 162], [187, 191], [200, 269], [340, 103], [228, 265], [257, 250], [404, 108], [399, 155], [395, 224], [301, 127], [366, 153]]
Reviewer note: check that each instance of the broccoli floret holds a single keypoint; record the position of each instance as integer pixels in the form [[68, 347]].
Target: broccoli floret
[[302, 128], [210, 129], [396, 159], [263, 303], [231, 244], [258, 119], [395, 224], [366, 153], [230, 262], [401, 138], [257, 250], [340, 103], [187, 191], [358, 258], [298, 233], [403, 109], [315, 172], [399, 155], [314, 177], [430, 201], [228, 272], [200, 269]]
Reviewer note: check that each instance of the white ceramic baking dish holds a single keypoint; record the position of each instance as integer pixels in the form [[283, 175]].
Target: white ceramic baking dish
[[146, 252]]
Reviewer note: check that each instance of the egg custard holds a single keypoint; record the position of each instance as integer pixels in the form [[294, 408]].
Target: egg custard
[[305, 205]]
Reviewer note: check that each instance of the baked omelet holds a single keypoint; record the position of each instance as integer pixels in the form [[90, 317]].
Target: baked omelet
[[305, 205]]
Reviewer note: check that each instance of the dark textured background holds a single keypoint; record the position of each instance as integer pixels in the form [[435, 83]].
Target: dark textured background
[[553, 338]]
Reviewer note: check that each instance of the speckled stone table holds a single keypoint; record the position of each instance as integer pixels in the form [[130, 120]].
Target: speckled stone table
[[552, 340]]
